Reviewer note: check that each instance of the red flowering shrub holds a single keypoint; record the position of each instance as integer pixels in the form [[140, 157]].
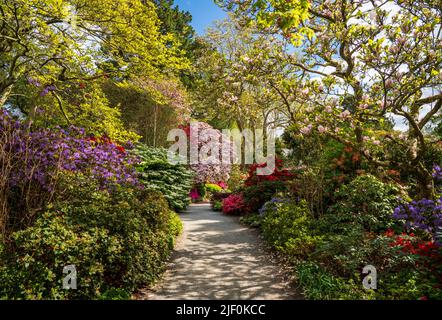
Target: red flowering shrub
[[234, 205], [279, 174], [409, 243]]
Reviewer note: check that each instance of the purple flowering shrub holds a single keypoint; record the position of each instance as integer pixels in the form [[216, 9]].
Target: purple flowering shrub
[[40, 155], [424, 214], [32, 163]]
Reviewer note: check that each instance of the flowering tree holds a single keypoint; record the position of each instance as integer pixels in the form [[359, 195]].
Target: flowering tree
[[209, 168], [369, 60], [238, 71]]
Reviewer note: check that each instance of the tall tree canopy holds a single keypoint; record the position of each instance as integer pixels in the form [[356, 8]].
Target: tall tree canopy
[[367, 61], [54, 41]]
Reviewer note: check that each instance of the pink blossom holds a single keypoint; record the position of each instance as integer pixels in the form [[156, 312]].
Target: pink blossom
[[306, 130], [322, 129], [345, 114], [389, 83], [306, 91]]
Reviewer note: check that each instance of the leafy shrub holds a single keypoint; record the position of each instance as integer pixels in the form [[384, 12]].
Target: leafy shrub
[[35, 269], [217, 206], [156, 173], [118, 240], [234, 205], [175, 229], [287, 226], [253, 220], [401, 262], [256, 196], [366, 201], [201, 188], [318, 284], [212, 189]]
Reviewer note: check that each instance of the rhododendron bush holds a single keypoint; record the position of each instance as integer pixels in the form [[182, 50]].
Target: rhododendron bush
[[38, 155], [33, 161], [210, 168], [234, 205]]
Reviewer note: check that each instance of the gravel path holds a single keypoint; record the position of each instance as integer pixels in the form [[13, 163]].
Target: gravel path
[[218, 258]]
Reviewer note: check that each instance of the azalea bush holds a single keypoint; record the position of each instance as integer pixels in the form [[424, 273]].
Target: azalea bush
[[116, 240], [258, 189], [234, 205]]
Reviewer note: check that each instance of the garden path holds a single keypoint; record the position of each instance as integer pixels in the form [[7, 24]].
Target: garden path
[[218, 258]]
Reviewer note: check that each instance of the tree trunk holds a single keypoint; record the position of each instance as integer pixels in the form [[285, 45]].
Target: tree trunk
[[155, 124], [5, 95], [425, 184]]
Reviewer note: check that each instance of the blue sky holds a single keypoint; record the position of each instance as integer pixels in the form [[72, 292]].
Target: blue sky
[[204, 12]]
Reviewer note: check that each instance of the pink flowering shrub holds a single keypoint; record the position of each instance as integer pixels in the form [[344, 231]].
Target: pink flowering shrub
[[234, 205], [210, 171]]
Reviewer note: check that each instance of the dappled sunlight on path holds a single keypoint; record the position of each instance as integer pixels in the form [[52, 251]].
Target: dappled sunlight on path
[[217, 258]]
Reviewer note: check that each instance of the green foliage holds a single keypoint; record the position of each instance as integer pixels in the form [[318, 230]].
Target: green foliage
[[256, 196], [318, 284], [367, 202], [118, 242], [156, 173], [149, 107], [87, 108], [43, 250], [62, 51], [252, 220], [115, 294], [287, 225], [175, 228], [275, 14], [213, 188], [217, 205]]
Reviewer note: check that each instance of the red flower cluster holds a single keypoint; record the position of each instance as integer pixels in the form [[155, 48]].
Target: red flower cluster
[[106, 140], [409, 244], [234, 205], [186, 129], [279, 174]]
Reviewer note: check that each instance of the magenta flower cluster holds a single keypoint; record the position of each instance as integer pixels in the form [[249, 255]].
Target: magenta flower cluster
[[38, 156]]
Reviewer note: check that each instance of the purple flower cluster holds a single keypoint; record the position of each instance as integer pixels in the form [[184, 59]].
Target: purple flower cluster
[[437, 174], [47, 89], [423, 214], [39, 156], [271, 203], [34, 82]]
